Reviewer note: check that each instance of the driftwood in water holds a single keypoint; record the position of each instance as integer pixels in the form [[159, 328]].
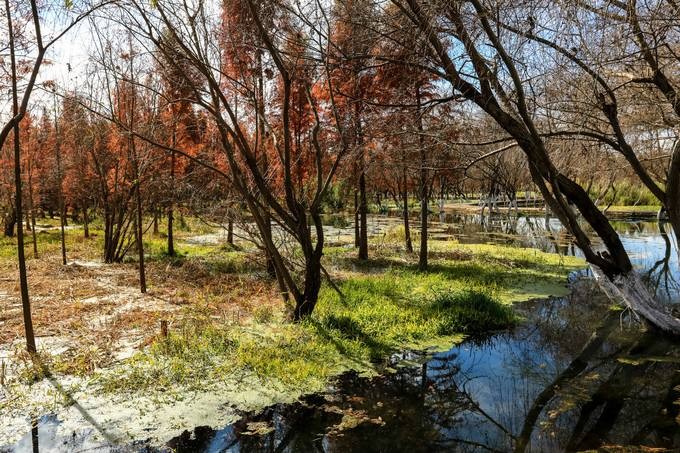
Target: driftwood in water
[[628, 289]]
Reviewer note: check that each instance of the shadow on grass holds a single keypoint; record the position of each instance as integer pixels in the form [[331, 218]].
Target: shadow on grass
[[350, 329], [485, 270]]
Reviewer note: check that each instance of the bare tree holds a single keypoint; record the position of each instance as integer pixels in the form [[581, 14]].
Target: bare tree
[[492, 79], [295, 209]]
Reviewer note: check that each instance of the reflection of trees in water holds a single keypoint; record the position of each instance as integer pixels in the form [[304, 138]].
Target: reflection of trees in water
[[608, 394], [660, 276], [460, 418], [552, 384], [620, 399]]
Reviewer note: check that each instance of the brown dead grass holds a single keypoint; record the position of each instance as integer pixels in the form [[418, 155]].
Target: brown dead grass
[[98, 311]]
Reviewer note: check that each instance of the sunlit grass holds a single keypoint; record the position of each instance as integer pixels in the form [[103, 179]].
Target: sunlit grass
[[386, 305], [394, 306]]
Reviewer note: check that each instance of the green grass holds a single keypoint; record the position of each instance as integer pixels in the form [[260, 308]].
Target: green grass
[[627, 194], [644, 209], [469, 290], [387, 306]]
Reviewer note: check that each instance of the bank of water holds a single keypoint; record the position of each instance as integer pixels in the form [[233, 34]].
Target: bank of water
[[573, 375], [569, 378]]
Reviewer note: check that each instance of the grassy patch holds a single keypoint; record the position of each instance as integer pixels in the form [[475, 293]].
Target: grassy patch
[[387, 305], [638, 209], [468, 290], [472, 312]]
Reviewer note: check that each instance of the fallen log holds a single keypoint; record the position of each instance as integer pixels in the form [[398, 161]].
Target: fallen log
[[630, 291]]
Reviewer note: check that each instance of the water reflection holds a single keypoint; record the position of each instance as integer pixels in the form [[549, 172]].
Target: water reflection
[[45, 436], [553, 384]]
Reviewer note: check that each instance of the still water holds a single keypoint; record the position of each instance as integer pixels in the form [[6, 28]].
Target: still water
[[549, 385], [573, 376]]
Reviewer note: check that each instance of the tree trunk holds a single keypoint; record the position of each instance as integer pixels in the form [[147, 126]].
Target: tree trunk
[[34, 236], [305, 305], [363, 201], [363, 218], [261, 134], [140, 239], [422, 261], [86, 223], [60, 190], [31, 219], [407, 227], [271, 268], [10, 222], [171, 238], [62, 230], [357, 226], [673, 190], [23, 277], [629, 290], [424, 192], [404, 196], [230, 231]]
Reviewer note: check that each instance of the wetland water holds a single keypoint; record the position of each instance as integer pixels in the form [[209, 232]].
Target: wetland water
[[572, 376]]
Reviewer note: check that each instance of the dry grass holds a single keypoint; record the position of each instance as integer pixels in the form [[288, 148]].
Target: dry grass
[[97, 311]]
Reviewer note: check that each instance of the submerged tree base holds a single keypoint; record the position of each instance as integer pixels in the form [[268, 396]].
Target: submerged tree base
[[630, 291]]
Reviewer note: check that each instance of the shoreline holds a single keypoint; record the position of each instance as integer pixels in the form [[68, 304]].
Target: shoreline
[[146, 399]]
